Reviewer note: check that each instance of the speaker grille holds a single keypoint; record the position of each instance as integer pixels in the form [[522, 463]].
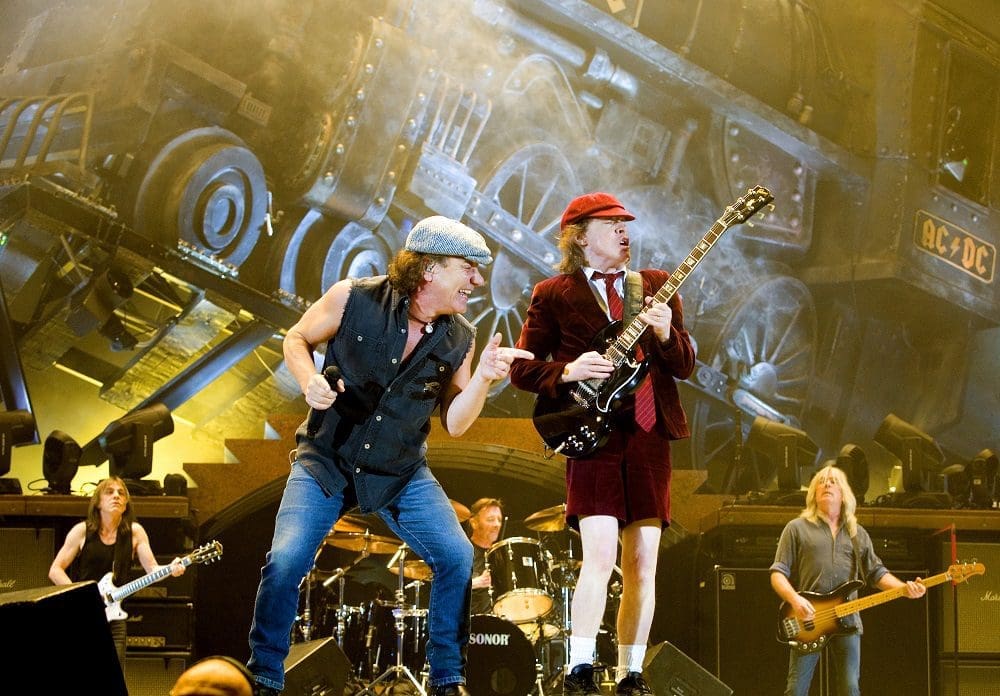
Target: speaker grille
[[27, 555], [978, 601]]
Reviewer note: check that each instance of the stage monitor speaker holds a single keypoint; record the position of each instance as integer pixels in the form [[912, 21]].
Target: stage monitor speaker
[[672, 673], [978, 602], [59, 640], [316, 668]]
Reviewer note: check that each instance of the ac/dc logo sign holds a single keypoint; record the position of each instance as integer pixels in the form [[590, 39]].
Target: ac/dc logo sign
[[955, 246]]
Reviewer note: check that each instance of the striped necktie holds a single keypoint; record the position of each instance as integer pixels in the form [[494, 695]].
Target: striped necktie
[[645, 401]]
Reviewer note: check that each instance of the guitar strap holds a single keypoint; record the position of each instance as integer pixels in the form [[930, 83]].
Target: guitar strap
[[633, 297]]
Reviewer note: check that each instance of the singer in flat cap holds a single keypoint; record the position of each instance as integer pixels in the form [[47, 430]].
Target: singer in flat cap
[[621, 488], [396, 348]]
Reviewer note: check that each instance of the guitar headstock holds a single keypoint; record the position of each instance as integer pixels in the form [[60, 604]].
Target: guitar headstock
[[746, 206], [960, 572], [206, 553]]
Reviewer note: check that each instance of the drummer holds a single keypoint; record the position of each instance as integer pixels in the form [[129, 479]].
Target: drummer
[[485, 525]]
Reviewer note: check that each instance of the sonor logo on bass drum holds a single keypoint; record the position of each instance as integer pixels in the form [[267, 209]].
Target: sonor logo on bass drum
[[489, 639]]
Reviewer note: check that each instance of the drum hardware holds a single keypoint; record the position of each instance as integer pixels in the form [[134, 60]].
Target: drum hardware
[[400, 614]]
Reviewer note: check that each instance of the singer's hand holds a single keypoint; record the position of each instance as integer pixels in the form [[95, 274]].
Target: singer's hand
[[319, 395], [494, 363]]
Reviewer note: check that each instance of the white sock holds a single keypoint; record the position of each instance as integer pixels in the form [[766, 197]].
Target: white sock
[[630, 659], [581, 651]]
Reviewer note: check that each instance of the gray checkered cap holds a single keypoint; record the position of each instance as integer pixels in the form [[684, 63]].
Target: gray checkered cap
[[446, 237]]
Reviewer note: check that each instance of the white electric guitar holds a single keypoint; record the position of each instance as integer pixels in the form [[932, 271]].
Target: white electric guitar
[[113, 596]]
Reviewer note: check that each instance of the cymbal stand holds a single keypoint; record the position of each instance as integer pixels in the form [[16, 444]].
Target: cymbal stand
[[399, 614]]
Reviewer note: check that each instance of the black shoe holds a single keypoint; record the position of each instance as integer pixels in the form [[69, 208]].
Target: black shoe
[[580, 682], [450, 690], [632, 685], [261, 690]]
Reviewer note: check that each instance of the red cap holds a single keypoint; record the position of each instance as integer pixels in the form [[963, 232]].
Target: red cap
[[594, 205]]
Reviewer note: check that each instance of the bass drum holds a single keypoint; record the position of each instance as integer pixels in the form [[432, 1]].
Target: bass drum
[[501, 661]]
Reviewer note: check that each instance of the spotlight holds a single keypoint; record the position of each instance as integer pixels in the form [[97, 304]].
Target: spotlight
[[60, 461], [788, 450], [16, 428], [982, 473], [852, 461], [920, 456], [94, 304], [118, 336], [128, 443]]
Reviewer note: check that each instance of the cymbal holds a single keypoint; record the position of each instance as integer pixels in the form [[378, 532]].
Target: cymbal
[[362, 541], [350, 523], [415, 569], [552, 519], [461, 511]]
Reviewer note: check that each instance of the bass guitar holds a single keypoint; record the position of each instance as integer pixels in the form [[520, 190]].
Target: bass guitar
[[113, 596], [577, 422], [831, 609]]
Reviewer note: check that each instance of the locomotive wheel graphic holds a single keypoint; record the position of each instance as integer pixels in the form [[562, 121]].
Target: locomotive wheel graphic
[[766, 347]]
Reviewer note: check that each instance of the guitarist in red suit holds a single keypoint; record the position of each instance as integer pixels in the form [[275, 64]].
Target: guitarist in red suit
[[622, 488], [820, 550]]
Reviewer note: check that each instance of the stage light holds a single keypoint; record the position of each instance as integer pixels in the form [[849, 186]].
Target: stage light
[[128, 442], [852, 461], [919, 454], [982, 474], [788, 449], [60, 461], [16, 428], [93, 305]]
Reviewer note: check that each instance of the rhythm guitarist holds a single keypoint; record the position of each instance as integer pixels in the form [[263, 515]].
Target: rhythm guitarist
[[820, 550], [623, 488], [105, 542]]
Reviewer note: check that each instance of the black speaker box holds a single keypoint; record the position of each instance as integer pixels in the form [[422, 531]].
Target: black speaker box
[[316, 668], [27, 555], [58, 638], [672, 673]]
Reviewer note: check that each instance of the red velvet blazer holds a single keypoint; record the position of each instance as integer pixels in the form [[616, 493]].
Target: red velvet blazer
[[564, 318]]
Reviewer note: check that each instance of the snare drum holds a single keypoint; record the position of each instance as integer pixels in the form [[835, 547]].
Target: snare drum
[[501, 661], [520, 577]]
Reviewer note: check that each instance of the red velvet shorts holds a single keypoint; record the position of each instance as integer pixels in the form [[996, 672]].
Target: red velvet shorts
[[628, 478]]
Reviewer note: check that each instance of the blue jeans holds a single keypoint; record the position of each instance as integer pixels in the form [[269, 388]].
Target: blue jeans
[[422, 516], [844, 655]]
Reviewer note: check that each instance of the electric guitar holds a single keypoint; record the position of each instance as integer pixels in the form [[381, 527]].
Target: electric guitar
[[577, 422], [812, 636], [114, 595]]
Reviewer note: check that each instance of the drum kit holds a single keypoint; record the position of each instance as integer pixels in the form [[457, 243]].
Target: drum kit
[[516, 650]]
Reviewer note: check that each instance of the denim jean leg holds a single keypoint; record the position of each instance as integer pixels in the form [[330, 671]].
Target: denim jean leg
[[304, 517], [423, 517], [845, 655], [801, 667]]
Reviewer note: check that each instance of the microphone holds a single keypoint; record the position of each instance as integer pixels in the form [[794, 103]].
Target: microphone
[[332, 374]]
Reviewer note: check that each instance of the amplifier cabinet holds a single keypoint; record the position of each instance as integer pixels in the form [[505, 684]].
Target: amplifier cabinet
[[27, 553], [159, 625], [978, 602], [150, 674]]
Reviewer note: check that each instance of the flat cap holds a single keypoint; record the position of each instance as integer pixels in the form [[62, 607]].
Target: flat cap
[[594, 205], [446, 237]]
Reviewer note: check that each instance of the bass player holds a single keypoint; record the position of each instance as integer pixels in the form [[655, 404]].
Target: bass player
[[818, 551], [622, 488]]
